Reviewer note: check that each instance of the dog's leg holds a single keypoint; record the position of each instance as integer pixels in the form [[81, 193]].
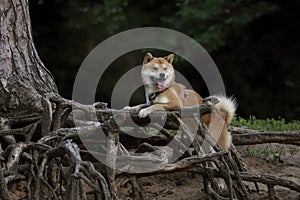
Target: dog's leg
[[146, 111], [135, 108], [147, 99], [139, 107], [220, 182]]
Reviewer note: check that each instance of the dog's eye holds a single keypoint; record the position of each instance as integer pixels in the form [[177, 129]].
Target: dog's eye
[[155, 68], [165, 69]]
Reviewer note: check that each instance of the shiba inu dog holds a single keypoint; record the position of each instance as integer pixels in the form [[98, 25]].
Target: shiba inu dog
[[163, 93]]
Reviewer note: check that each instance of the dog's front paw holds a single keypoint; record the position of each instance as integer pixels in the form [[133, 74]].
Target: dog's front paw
[[144, 113], [134, 108], [127, 108], [131, 109]]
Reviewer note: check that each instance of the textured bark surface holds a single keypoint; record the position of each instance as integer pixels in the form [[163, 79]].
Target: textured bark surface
[[243, 136], [23, 77]]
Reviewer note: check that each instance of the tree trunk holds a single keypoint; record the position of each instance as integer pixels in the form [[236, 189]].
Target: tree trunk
[[23, 77]]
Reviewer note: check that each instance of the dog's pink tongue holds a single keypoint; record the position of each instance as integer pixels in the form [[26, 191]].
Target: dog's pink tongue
[[161, 85]]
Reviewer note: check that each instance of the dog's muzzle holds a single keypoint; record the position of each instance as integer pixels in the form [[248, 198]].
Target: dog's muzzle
[[157, 80]]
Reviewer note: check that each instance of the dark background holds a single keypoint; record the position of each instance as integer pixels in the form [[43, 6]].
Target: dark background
[[255, 45]]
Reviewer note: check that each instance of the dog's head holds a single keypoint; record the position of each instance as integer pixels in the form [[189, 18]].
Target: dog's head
[[158, 72]]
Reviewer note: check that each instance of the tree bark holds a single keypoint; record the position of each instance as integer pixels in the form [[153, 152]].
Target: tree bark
[[23, 77], [242, 136]]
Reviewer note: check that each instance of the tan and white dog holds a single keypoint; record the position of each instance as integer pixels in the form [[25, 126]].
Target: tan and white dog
[[163, 93]]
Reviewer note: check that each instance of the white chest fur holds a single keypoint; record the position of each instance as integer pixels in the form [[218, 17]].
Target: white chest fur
[[162, 100]]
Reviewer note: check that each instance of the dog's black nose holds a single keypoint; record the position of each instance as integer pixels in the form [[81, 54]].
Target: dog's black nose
[[162, 75]]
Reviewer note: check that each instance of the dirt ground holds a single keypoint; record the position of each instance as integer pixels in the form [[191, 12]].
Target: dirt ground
[[187, 186]]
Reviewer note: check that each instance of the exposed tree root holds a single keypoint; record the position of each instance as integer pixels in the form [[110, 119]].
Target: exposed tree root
[[56, 164]]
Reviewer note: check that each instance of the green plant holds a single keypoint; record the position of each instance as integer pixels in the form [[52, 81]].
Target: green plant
[[269, 152], [272, 152], [268, 124]]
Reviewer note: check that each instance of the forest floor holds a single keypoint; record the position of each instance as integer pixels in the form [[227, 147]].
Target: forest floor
[[279, 160]]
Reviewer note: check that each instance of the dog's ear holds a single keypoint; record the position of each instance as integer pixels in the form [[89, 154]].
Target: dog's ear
[[169, 58], [148, 57]]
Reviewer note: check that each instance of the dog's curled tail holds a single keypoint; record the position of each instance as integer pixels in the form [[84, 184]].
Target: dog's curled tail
[[227, 106]]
